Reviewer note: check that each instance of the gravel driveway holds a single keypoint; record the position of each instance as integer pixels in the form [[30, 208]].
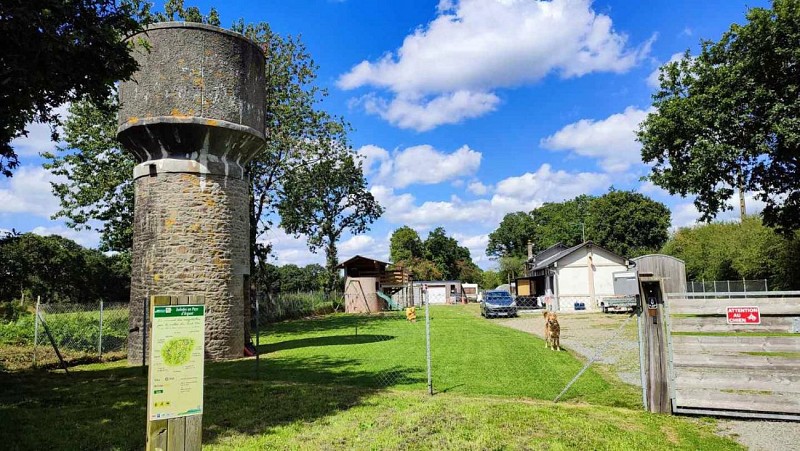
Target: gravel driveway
[[597, 334]]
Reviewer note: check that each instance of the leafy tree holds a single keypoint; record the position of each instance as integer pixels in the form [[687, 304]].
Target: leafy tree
[[511, 267], [468, 271], [728, 119], [445, 253], [735, 251], [325, 199], [491, 279], [628, 223], [562, 222], [421, 269], [58, 51], [405, 244], [512, 236], [60, 270], [293, 278]]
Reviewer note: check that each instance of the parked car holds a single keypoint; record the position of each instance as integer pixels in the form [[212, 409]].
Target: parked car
[[498, 303]]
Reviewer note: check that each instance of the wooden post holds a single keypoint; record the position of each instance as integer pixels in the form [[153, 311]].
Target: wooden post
[[174, 434], [655, 347]]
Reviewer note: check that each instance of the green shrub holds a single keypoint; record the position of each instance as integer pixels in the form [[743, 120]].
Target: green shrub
[[11, 311]]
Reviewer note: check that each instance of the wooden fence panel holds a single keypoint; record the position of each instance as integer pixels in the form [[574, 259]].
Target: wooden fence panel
[[784, 381], [767, 306], [724, 369], [742, 400], [720, 324], [721, 345]]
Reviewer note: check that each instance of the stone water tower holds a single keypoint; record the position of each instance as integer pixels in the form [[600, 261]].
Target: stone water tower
[[193, 116]]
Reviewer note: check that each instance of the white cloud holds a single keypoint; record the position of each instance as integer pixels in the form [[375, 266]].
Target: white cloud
[[519, 193], [477, 188], [447, 70], [685, 214], [423, 114], [611, 140], [86, 238], [355, 245], [477, 247], [28, 191], [287, 249], [418, 165], [39, 136], [531, 190], [652, 79]]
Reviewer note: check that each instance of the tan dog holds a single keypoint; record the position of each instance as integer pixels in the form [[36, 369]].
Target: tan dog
[[552, 331]]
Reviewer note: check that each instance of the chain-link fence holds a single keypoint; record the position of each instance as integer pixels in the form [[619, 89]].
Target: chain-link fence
[[727, 286], [78, 332]]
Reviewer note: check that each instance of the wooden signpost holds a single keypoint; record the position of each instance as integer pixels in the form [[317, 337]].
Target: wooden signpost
[[175, 373]]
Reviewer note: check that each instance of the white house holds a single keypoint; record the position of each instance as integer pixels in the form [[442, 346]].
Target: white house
[[579, 274]]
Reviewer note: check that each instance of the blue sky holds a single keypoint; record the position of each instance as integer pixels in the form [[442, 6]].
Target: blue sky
[[463, 110]]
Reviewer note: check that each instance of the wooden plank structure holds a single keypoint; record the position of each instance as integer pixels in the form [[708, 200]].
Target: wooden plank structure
[[174, 434], [739, 370]]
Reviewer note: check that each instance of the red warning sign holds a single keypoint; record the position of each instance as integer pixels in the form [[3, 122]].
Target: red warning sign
[[743, 315]]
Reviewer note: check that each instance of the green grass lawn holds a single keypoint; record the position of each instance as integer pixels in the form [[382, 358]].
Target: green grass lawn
[[322, 386], [470, 355]]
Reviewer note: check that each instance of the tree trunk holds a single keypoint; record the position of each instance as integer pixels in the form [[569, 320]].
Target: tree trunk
[[331, 261]]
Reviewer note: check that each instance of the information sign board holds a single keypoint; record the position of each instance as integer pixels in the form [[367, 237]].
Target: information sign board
[[176, 361]]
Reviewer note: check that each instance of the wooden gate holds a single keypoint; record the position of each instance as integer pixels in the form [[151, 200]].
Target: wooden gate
[[718, 367]]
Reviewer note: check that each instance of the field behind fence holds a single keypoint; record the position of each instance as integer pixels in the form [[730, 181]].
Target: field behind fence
[[81, 332]]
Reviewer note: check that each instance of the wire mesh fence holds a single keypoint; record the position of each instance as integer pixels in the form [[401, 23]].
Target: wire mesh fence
[[365, 339], [727, 286], [78, 332]]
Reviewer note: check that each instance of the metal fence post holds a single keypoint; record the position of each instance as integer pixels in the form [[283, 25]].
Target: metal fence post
[[258, 334], [36, 330], [766, 288], [100, 335], [729, 289], [428, 340]]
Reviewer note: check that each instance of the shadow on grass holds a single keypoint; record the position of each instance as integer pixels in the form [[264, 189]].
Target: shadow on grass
[[331, 340], [330, 323], [106, 408]]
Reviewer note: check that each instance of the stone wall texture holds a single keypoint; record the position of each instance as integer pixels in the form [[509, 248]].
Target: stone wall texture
[[192, 238]]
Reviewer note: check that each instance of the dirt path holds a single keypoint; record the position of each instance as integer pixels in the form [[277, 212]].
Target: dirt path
[[590, 334]]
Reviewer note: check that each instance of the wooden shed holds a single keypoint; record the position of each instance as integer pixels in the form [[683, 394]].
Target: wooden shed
[[670, 270], [369, 285]]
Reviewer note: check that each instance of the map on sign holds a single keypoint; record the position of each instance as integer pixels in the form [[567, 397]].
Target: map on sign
[[176, 361], [743, 315]]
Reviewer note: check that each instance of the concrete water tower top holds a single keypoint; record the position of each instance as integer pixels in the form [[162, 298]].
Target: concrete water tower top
[[197, 99]]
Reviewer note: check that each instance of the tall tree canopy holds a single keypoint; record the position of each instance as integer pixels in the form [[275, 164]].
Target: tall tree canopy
[[60, 270], [736, 251], [58, 51], [729, 119], [405, 244], [625, 222], [325, 199], [438, 257], [562, 222], [512, 236], [628, 223]]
